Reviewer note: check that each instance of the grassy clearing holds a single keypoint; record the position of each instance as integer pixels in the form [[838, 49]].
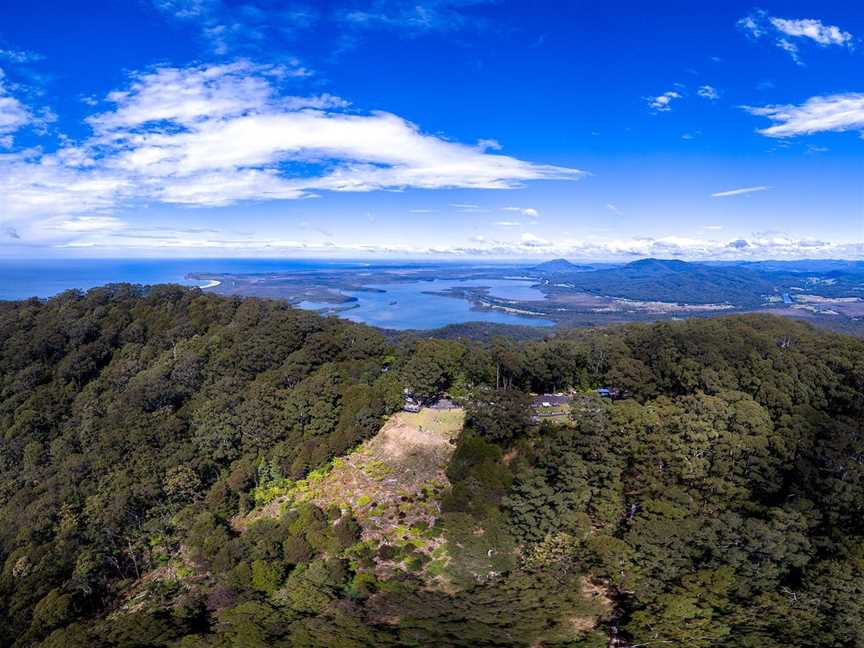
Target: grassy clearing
[[392, 483], [555, 411]]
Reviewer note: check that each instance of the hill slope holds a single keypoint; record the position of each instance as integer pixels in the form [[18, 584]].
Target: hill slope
[[679, 281], [392, 484], [559, 266]]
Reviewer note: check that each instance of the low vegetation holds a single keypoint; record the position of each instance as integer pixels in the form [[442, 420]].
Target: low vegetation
[[392, 486]]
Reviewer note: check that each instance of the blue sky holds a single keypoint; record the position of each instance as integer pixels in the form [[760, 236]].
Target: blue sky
[[437, 128]]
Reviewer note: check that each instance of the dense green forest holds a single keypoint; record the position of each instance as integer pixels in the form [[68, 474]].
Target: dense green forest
[[718, 504]]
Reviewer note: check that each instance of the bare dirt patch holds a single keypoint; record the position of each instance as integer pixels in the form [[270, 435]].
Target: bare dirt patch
[[418, 442], [392, 484]]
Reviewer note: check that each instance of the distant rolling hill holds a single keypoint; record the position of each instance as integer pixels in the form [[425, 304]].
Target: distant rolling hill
[[818, 266], [559, 266], [680, 281]]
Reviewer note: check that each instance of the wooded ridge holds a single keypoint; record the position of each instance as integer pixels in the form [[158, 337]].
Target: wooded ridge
[[717, 502]]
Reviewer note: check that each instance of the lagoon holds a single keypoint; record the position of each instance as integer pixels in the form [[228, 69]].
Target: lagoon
[[409, 305]]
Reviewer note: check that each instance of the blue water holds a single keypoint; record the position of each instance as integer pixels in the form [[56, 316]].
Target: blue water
[[409, 306], [20, 279], [413, 309]]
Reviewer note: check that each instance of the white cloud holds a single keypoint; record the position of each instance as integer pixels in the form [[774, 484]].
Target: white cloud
[[14, 115], [508, 223], [738, 192], [790, 48], [782, 30], [530, 212], [814, 30], [489, 145], [215, 135], [759, 245], [188, 95], [614, 209], [838, 113], [708, 92], [87, 224], [20, 56], [45, 186], [229, 26], [414, 17], [713, 228], [467, 208], [768, 245], [751, 25], [533, 241], [662, 103]]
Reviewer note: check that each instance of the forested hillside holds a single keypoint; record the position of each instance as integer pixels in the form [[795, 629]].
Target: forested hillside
[[156, 443], [679, 281]]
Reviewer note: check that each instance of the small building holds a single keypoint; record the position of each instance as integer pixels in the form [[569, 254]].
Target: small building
[[545, 401], [547, 406], [609, 392], [443, 403], [412, 404]]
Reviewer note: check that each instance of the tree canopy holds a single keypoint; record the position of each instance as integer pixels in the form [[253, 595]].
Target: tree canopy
[[719, 503]]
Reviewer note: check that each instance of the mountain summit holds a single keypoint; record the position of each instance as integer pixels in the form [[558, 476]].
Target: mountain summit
[[558, 266]]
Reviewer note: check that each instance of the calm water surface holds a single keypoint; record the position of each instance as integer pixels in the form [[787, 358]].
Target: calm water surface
[[20, 279], [401, 306], [409, 306]]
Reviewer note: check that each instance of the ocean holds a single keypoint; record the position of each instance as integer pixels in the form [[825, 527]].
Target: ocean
[[21, 279]]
